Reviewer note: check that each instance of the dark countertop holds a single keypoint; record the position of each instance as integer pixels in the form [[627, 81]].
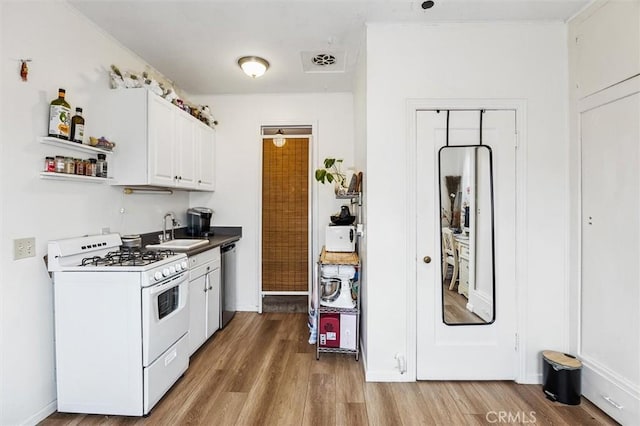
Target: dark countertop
[[222, 235]]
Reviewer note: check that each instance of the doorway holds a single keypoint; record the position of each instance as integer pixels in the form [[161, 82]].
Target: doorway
[[467, 350], [285, 218]]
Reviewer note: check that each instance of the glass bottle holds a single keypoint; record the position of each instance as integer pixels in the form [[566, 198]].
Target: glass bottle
[[77, 126], [59, 117], [101, 166]]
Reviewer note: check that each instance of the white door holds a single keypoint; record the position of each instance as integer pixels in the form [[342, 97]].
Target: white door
[[465, 352], [610, 287]]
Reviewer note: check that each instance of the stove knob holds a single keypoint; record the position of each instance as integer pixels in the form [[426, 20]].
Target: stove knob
[[157, 275], [166, 272], [178, 267], [184, 265], [172, 269]]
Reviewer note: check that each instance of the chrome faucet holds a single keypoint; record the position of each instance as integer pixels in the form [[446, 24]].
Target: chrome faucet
[[164, 226]]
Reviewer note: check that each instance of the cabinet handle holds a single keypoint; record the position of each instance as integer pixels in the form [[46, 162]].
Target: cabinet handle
[[176, 177], [199, 181], [612, 402], [426, 259]]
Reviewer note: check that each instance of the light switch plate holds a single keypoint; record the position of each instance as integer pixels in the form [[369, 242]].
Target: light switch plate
[[24, 247]]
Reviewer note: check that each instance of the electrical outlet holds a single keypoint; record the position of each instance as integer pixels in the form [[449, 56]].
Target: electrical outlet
[[24, 247]]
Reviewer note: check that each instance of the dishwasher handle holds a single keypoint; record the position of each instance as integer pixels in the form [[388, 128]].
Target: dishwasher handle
[[227, 248]]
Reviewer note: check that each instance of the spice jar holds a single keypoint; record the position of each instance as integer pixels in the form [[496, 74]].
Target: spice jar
[[90, 169], [69, 165], [101, 166], [79, 166], [59, 164], [49, 164]]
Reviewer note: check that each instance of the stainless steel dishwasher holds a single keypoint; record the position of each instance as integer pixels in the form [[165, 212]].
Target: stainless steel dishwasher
[[228, 287]]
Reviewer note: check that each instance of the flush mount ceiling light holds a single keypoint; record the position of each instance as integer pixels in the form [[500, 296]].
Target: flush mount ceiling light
[[253, 66], [279, 139]]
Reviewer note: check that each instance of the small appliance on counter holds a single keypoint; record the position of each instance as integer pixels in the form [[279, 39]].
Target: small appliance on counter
[[340, 238], [199, 221]]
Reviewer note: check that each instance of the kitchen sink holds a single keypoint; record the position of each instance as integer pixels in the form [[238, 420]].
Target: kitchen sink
[[178, 245]]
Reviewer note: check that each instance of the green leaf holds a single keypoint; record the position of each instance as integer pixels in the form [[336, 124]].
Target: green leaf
[[329, 178], [328, 162], [320, 174]]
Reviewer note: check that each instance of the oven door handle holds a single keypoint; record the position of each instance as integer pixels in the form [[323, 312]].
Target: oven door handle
[[171, 282]]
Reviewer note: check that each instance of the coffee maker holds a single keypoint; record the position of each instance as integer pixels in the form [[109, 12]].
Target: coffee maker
[[199, 221]]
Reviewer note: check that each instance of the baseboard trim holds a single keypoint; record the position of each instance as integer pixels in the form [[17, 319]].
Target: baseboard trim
[[531, 379], [42, 414]]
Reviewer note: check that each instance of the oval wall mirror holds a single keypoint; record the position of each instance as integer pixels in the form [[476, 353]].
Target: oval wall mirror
[[467, 235]]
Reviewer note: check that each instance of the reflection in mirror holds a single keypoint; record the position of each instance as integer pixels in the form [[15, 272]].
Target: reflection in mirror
[[467, 239]]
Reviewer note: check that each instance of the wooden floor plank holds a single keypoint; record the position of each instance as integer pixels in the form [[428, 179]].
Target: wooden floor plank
[[351, 414], [291, 395], [320, 406], [381, 405], [261, 370], [413, 409]]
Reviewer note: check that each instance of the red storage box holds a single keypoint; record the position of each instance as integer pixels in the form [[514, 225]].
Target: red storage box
[[330, 330]]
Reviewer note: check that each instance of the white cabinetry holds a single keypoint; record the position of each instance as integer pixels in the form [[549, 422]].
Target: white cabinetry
[[610, 287], [157, 143], [608, 50], [605, 106], [205, 158], [204, 297]]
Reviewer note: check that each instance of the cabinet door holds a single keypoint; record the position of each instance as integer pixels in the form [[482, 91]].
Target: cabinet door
[[608, 46], [185, 151], [205, 160], [213, 301], [161, 125], [610, 287], [197, 313]]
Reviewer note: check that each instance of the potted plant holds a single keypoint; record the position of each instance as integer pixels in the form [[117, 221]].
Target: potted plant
[[333, 173]]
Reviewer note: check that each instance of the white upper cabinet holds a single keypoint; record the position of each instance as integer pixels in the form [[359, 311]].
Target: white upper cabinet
[[205, 158], [157, 143], [185, 151], [608, 45]]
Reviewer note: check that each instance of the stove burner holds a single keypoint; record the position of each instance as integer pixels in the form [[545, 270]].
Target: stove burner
[[127, 257]]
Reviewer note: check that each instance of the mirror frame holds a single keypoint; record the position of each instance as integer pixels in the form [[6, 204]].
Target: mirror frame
[[493, 234]]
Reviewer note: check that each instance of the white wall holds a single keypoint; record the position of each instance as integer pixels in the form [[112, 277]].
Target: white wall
[[66, 51], [237, 199], [467, 61]]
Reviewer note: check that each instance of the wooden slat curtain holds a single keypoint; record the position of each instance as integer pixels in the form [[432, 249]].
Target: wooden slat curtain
[[285, 216]]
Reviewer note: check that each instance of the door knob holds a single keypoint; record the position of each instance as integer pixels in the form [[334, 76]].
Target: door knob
[[426, 259]]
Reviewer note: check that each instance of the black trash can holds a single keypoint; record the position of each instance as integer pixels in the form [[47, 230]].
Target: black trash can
[[561, 377]]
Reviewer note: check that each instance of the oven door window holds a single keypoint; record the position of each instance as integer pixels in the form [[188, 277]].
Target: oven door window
[[168, 301]]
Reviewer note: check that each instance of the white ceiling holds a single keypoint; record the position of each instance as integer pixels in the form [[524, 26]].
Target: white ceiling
[[196, 44]]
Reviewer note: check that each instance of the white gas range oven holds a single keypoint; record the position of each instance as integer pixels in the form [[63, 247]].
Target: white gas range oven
[[121, 324]]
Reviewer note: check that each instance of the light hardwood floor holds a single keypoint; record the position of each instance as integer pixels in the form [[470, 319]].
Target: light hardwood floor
[[260, 370]]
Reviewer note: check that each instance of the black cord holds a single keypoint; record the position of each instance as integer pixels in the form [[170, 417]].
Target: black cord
[[448, 127], [481, 112]]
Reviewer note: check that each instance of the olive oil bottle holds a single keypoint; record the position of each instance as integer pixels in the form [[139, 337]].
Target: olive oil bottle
[[77, 126], [59, 117]]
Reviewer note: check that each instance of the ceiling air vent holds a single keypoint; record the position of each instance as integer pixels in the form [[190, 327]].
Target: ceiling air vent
[[324, 59], [327, 62]]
